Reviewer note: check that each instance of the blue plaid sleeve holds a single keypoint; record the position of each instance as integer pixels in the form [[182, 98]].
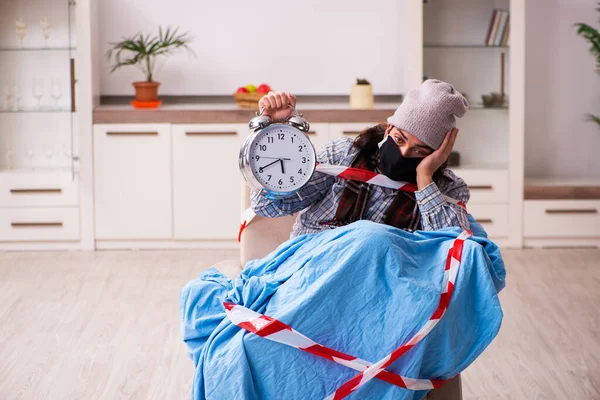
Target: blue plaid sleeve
[[314, 191], [436, 212]]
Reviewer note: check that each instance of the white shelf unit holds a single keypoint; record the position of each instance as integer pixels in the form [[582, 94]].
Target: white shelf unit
[[490, 140], [44, 190]]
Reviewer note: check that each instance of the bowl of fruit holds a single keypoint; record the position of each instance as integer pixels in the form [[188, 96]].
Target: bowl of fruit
[[249, 95]]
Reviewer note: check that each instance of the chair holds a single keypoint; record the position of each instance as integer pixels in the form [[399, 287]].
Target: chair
[[262, 236]]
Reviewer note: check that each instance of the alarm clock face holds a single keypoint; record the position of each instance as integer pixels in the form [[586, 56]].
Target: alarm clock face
[[282, 158]]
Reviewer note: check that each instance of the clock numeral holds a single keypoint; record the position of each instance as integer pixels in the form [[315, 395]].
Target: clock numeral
[[303, 160], [280, 182], [280, 136], [300, 171], [257, 157], [269, 178], [269, 139], [263, 147], [292, 139], [300, 149], [291, 179]]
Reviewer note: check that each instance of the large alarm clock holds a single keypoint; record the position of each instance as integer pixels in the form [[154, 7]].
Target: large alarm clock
[[277, 156]]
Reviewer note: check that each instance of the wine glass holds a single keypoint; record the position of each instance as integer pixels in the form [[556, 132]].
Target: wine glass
[[29, 153], [68, 154], [16, 95], [8, 155], [38, 91], [45, 29], [21, 30], [7, 96], [56, 91], [48, 152]]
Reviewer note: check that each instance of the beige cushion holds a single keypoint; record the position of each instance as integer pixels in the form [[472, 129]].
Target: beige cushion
[[263, 236], [229, 268]]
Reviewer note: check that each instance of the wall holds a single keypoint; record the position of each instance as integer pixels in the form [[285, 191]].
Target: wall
[[308, 47], [561, 86]]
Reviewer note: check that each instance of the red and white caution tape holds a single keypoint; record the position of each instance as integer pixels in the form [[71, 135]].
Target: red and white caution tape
[[272, 329], [277, 331], [450, 273], [354, 174]]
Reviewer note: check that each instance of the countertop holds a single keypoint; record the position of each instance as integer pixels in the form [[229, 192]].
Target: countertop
[[223, 109]]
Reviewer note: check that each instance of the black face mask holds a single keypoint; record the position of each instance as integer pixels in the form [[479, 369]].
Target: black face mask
[[394, 165]]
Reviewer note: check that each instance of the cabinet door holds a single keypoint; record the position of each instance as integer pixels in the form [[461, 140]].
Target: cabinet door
[[206, 180], [132, 176]]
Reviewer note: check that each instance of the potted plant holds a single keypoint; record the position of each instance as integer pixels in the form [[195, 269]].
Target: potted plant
[[142, 50], [593, 37], [361, 94]]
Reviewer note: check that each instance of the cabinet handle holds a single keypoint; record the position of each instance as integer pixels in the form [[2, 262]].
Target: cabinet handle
[[210, 133], [351, 133], [481, 187], [35, 191], [35, 224], [111, 133], [573, 211], [484, 220], [73, 82]]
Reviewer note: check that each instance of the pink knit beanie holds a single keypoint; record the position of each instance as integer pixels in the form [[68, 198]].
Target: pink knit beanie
[[430, 111]]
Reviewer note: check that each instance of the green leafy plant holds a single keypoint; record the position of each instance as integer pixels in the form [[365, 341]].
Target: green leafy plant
[[142, 50], [592, 35]]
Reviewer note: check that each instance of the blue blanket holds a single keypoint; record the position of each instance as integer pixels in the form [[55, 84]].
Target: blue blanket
[[362, 289]]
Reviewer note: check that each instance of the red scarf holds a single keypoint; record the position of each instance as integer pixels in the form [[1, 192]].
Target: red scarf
[[402, 213]]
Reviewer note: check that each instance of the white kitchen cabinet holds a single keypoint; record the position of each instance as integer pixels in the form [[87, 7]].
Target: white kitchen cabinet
[[132, 175], [351, 129], [319, 135], [206, 180]]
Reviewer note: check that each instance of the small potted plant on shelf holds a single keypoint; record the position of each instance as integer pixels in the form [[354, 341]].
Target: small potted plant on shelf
[[361, 94], [592, 35], [142, 51]]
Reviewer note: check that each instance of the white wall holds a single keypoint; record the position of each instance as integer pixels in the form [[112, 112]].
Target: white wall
[[306, 47], [561, 86]]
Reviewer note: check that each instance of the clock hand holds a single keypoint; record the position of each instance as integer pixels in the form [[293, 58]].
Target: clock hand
[[282, 170], [268, 165], [276, 158]]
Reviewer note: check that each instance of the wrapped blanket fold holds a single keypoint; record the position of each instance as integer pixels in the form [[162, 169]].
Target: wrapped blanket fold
[[362, 289]]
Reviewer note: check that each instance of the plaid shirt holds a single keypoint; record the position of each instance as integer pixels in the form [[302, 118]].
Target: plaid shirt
[[322, 194]]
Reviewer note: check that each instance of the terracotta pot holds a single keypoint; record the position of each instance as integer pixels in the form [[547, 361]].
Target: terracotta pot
[[146, 91]]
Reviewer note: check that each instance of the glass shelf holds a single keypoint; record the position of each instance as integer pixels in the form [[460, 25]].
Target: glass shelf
[[25, 49], [462, 46], [34, 111]]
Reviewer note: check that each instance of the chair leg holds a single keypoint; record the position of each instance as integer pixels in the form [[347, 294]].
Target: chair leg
[[452, 390]]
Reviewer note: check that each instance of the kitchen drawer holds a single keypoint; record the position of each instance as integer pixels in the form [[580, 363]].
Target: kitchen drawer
[[492, 217], [38, 189], [561, 218], [487, 186], [39, 224]]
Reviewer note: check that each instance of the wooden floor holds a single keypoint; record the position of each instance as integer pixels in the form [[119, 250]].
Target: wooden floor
[[104, 325]]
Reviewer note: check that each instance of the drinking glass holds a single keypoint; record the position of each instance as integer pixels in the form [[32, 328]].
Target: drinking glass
[[56, 92], [38, 91]]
